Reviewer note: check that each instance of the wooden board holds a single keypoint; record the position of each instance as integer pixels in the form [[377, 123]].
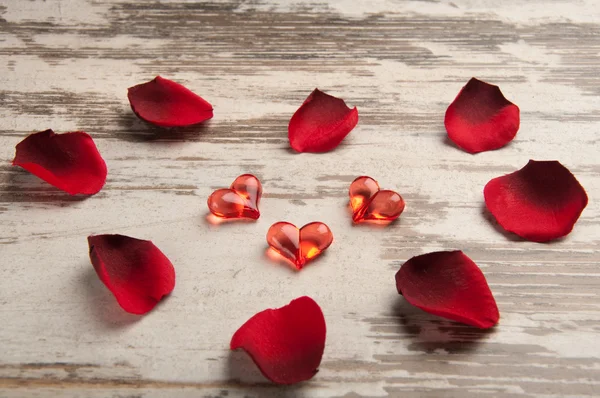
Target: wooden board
[[66, 65]]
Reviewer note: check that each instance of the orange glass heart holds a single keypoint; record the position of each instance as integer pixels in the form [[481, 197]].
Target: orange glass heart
[[369, 202], [238, 201], [299, 245]]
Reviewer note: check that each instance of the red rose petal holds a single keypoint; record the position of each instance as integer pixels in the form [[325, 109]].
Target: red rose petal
[[134, 270], [286, 343], [480, 118], [321, 123], [540, 202], [69, 161], [448, 284], [168, 104]]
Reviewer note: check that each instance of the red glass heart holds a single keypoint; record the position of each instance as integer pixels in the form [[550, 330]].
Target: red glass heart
[[369, 202], [299, 245], [238, 201]]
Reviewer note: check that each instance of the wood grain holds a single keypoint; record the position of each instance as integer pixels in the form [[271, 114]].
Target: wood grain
[[66, 64]]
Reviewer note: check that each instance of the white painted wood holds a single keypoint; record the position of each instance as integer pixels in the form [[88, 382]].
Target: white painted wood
[[66, 64]]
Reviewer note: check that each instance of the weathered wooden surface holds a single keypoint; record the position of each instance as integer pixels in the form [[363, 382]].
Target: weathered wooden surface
[[66, 64]]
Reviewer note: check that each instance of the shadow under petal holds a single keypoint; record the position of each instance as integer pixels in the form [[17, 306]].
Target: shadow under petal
[[494, 223], [242, 371], [136, 130], [448, 142], [103, 305], [23, 187], [429, 333], [511, 236]]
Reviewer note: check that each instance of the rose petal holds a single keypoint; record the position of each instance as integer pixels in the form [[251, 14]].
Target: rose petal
[[540, 202], [321, 123], [480, 118], [168, 104], [134, 270], [286, 343], [448, 284], [69, 161]]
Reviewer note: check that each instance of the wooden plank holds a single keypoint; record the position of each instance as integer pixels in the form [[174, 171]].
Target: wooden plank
[[66, 64]]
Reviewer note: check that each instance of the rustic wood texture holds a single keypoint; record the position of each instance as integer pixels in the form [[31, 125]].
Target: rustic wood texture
[[66, 64]]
